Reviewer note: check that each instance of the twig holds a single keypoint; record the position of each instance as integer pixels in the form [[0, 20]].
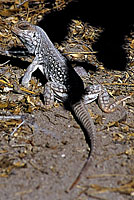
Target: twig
[[17, 127], [81, 52], [115, 83], [17, 117], [9, 84], [21, 88], [21, 4], [4, 63]]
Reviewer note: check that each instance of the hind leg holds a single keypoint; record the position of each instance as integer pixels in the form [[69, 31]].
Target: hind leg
[[99, 92]]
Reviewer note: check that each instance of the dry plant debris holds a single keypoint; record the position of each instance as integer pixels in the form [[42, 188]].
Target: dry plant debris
[[78, 44]]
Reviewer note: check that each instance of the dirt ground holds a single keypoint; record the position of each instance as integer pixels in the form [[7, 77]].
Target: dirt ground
[[44, 156]]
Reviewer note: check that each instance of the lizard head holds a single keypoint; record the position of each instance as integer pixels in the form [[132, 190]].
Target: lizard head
[[28, 34]]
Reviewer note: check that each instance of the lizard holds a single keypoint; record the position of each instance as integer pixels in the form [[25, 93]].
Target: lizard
[[63, 83]]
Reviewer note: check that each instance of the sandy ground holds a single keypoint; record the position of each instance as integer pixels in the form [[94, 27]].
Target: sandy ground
[[45, 156]]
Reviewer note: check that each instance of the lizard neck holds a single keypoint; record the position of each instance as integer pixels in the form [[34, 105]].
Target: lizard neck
[[47, 50]]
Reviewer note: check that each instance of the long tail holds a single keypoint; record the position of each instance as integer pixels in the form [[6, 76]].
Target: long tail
[[82, 114]]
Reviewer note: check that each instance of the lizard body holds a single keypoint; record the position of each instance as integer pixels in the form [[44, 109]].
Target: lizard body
[[63, 83]]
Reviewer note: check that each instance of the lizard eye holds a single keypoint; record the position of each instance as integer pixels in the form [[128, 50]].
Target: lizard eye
[[24, 26]]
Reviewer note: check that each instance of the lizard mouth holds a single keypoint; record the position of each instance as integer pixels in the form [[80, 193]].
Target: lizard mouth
[[14, 31]]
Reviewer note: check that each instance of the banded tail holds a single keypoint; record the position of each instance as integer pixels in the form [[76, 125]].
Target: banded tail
[[87, 124]]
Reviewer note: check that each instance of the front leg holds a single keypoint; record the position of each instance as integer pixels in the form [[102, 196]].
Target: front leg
[[31, 68], [98, 91]]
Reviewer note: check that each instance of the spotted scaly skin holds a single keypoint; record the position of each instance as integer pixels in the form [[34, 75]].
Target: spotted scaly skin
[[63, 83]]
